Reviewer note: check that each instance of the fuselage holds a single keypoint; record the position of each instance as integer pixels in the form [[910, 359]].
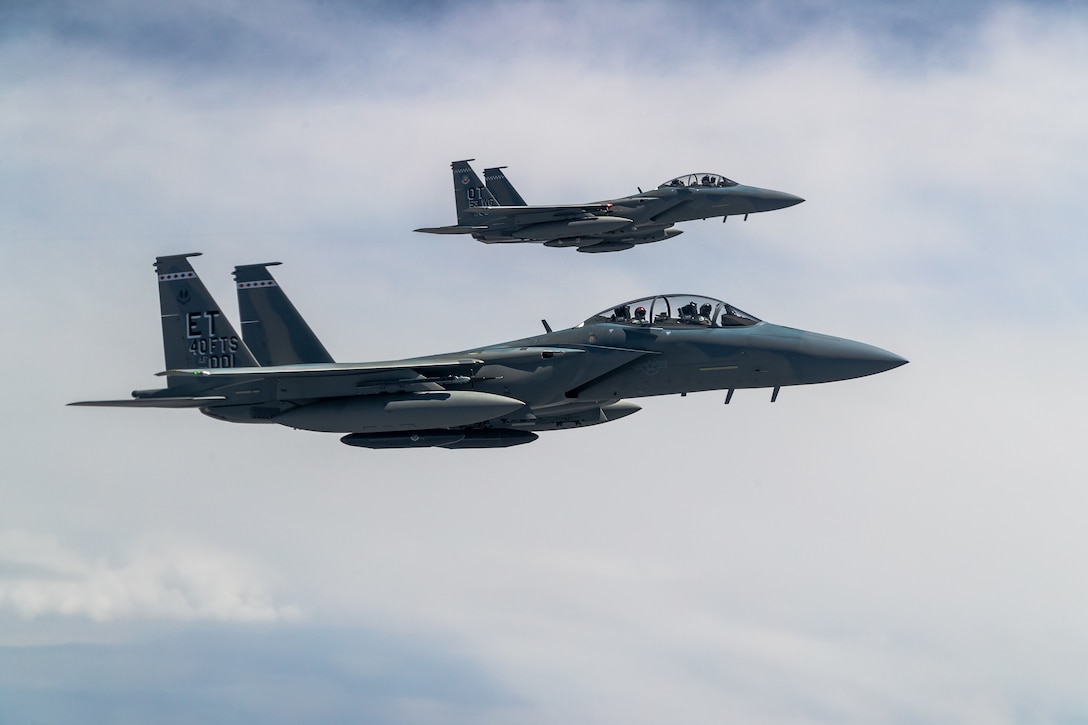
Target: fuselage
[[626, 221], [669, 204], [661, 345], [491, 396], [665, 361]]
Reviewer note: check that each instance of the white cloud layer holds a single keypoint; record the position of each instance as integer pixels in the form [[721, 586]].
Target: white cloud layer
[[39, 577], [903, 548]]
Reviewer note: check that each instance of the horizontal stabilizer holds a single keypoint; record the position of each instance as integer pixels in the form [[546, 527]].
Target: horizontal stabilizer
[[190, 402], [460, 229]]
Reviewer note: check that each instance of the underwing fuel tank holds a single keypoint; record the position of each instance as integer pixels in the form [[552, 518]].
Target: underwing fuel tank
[[573, 228], [471, 438], [400, 411]]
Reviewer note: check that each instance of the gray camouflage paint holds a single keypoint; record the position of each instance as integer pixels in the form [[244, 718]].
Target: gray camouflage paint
[[492, 211], [493, 396]]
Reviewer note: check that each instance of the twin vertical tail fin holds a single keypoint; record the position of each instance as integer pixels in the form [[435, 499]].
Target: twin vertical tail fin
[[469, 191], [501, 188], [195, 333], [271, 326]]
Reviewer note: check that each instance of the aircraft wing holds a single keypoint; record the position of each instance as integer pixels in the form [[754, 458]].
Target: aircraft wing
[[329, 369], [182, 402], [313, 380], [450, 365], [502, 218], [558, 211], [490, 218]]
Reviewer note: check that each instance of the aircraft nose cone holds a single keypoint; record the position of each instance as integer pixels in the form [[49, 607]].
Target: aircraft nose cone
[[770, 200], [788, 200], [829, 358]]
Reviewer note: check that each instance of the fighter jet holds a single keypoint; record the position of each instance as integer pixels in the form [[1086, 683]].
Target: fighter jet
[[494, 212], [494, 396]]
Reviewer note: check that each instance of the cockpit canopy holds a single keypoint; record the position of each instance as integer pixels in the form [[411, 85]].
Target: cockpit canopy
[[701, 181], [676, 311]]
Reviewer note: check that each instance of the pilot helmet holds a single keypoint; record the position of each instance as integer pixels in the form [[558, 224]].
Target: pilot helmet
[[640, 312]]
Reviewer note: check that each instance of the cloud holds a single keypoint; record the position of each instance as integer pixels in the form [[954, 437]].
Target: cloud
[[39, 577], [900, 548], [215, 673]]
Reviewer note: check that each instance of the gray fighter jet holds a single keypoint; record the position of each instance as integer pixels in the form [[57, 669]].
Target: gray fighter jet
[[486, 397], [494, 212]]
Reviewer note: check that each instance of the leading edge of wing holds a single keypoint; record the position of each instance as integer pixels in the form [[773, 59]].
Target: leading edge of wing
[[558, 209], [474, 360], [328, 368]]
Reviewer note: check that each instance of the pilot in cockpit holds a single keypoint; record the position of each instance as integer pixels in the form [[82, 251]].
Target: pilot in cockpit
[[640, 316]]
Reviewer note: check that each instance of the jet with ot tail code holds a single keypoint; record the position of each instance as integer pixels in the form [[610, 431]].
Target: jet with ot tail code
[[492, 211], [493, 396]]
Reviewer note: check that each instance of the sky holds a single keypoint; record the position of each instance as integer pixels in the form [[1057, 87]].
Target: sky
[[902, 548]]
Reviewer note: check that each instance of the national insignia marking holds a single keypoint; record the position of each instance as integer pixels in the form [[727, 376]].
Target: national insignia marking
[[652, 366]]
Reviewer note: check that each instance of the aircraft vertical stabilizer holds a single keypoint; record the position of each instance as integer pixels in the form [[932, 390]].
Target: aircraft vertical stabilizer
[[468, 191], [501, 188], [195, 333], [271, 326]]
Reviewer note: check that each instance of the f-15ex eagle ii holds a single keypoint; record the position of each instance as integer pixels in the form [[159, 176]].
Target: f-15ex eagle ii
[[494, 212], [486, 397]]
